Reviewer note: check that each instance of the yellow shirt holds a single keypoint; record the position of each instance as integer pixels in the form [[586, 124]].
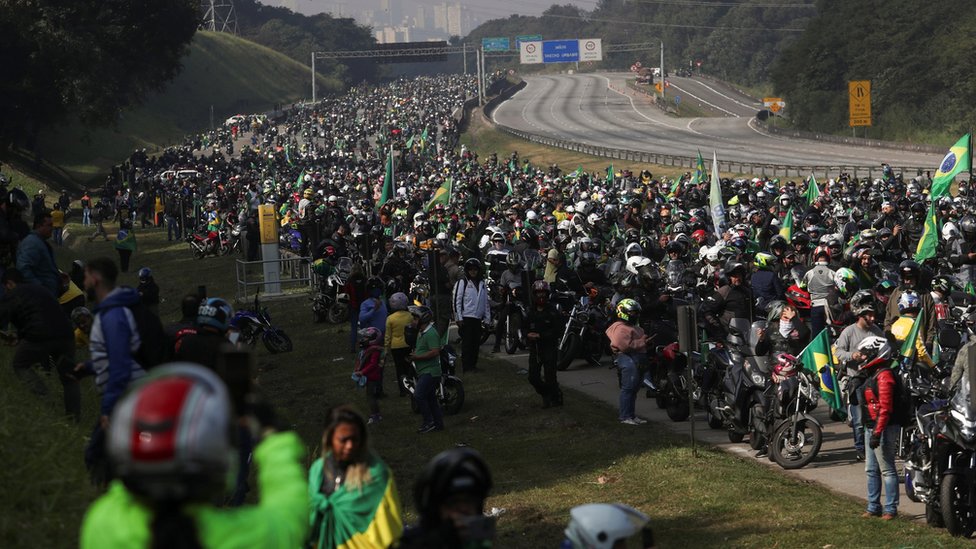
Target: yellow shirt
[[81, 339], [560, 216], [72, 292], [395, 324], [57, 219], [900, 329]]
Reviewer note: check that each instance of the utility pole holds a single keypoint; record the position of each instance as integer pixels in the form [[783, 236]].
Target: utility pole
[[664, 87], [313, 77], [464, 56]]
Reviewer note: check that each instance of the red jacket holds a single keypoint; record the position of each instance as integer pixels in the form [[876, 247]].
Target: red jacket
[[881, 405], [368, 362]]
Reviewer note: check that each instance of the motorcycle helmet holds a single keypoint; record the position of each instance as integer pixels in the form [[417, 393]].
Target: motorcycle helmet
[[513, 260], [607, 525], [422, 314], [216, 313], [369, 336], [79, 315], [145, 274], [628, 310], [473, 264], [800, 240], [764, 260], [498, 238], [908, 302], [399, 301], [785, 367], [540, 292], [635, 263], [375, 286], [909, 270], [633, 249], [735, 267], [588, 259], [170, 436], [458, 471], [775, 311], [943, 285], [845, 280], [822, 252], [863, 303], [798, 298], [699, 236], [967, 225], [872, 346]]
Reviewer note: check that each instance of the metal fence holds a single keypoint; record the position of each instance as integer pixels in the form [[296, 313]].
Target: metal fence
[[294, 275]]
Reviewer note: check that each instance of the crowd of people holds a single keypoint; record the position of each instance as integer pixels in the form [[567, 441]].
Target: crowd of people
[[438, 237]]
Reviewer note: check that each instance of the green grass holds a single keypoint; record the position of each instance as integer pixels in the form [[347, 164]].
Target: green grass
[[229, 73], [544, 461]]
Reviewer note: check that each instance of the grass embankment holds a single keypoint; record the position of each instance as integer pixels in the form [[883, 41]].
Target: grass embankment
[[222, 71], [544, 461]]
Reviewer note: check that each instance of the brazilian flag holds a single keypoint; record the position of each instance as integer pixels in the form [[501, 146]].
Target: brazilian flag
[[786, 231], [929, 242], [442, 195], [355, 518], [813, 191], [958, 158], [817, 359]]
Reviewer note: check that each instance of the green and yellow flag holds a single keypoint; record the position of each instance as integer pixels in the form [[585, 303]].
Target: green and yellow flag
[[610, 174], [387, 180], [817, 359], [928, 244], [300, 181], [423, 140], [508, 183], [813, 191], [442, 195], [371, 515], [908, 347], [786, 231], [958, 158]]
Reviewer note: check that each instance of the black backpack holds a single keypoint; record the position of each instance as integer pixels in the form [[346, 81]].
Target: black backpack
[[902, 407], [155, 347]]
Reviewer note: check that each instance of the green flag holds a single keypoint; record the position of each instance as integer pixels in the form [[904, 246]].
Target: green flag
[[908, 346], [786, 231], [423, 139], [930, 237], [300, 180], [526, 166], [813, 192], [442, 195], [958, 158], [511, 165], [410, 143], [970, 289], [816, 358], [387, 180], [578, 173], [610, 174], [508, 183]]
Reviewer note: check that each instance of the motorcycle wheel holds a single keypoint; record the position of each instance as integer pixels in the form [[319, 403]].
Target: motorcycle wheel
[[338, 313], [933, 516], [197, 253], [453, 396], [757, 427], [568, 353], [794, 453], [957, 511], [736, 437], [277, 341], [714, 422], [677, 408], [513, 324]]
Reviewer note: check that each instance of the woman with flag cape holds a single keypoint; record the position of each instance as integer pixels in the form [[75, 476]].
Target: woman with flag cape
[[354, 501]]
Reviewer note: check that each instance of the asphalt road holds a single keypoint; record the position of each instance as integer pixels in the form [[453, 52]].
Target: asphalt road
[[599, 109]]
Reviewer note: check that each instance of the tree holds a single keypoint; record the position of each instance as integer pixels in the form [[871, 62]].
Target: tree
[[86, 58]]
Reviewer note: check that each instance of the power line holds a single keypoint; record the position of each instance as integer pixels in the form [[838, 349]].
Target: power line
[[702, 3]]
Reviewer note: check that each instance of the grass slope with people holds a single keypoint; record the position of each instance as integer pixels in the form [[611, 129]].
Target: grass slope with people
[[544, 462]]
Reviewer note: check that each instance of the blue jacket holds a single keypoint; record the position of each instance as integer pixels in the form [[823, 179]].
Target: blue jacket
[[766, 286], [373, 313], [113, 343], [35, 260]]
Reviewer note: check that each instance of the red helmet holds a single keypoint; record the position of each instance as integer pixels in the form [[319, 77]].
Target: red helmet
[[785, 367], [798, 298], [821, 251], [699, 236]]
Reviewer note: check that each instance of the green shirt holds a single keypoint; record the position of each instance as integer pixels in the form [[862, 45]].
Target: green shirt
[[119, 519], [426, 342]]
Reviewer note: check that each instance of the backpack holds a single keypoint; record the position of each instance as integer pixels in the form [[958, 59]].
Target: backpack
[[902, 407], [155, 347]]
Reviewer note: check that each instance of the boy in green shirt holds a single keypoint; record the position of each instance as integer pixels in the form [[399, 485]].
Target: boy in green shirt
[[426, 360]]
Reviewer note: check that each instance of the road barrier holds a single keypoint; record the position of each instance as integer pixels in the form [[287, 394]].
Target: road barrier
[[678, 161]]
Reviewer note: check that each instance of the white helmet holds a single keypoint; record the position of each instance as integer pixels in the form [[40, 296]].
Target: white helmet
[[593, 218], [564, 225], [633, 249], [603, 525], [531, 215], [949, 231], [636, 262]]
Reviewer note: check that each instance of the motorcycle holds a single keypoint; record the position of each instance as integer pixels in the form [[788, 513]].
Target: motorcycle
[[515, 313], [330, 303], [673, 378], [737, 402], [255, 323], [584, 336], [204, 245], [957, 487], [450, 388], [921, 443], [794, 435], [230, 240]]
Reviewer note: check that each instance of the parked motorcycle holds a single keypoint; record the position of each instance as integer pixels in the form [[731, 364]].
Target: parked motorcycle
[[957, 488], [255, 323], [584, 335], [673, 377], [739, 403], [794, 435], [330, 302], [450, 388], [515, 313], [203, 245]]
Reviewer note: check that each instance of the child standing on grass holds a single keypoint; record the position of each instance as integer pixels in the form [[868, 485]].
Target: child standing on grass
[[368, 366]]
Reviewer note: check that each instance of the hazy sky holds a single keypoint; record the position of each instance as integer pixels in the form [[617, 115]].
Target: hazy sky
[[485, 9]]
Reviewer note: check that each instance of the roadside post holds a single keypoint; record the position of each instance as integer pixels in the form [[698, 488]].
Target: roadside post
[[687, 343], [267, 224]]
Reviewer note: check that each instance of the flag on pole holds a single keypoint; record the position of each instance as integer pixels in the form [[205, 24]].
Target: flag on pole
[[930, 236], [908, 346], [508, 183], [511, 165], [423, 140], [816, 358], [410, 143], [786, 231], [578, 173], [813, 192], [300, 180], [715, 199], [956, 160], [387, 180], [288, 154], [610, 175], [442, 195], [697, 177]]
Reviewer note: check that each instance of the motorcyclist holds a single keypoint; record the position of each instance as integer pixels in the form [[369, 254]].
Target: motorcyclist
[[733, 300], [543, 326]]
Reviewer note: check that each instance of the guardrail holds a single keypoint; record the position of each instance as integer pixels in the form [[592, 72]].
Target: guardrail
[[295, 274], [678, 161]]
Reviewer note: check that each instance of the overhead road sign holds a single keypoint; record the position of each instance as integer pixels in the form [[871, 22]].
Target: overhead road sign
[[560, 51], [526, 38], [495, 44], [530, 52], [859, 102], [591, 49]]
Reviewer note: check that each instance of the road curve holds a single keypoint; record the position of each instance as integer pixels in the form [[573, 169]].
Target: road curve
[[599, 109]]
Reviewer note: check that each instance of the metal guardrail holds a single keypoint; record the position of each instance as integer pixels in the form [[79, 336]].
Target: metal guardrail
[[294, 275], [671, 160]]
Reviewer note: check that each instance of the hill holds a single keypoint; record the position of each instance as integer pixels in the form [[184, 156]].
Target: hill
[[222, 71]]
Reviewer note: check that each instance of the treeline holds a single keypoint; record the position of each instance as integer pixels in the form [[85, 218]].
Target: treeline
[[737, 41], [922, 88], [297, 36]]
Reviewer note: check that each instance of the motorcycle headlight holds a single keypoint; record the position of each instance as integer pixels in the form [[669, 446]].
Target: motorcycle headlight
[[584, 317], [758, 378]]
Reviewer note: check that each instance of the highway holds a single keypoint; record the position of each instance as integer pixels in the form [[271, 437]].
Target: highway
[[599, 109]]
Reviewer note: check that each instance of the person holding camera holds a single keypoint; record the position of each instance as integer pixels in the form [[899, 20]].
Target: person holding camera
[[171, 447]]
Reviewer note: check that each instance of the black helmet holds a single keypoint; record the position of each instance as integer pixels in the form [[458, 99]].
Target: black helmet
[[588, 259], [863, 302], [452, 472], [374, 283], [909, 269], [421, 313], [967, 225], [513, 259], [473, 263], [800, 239]]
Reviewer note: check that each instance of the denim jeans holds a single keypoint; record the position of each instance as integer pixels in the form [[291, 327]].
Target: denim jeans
[[854, 411], [425, 393], [879, 465], [629, 383], [172, 228], [86, 216]]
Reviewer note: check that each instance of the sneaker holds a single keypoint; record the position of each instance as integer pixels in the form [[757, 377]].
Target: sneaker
[[630, 421], [869, 514], [426, 428], [430, 429], [762, 452], [639, 420], [859, 454]]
